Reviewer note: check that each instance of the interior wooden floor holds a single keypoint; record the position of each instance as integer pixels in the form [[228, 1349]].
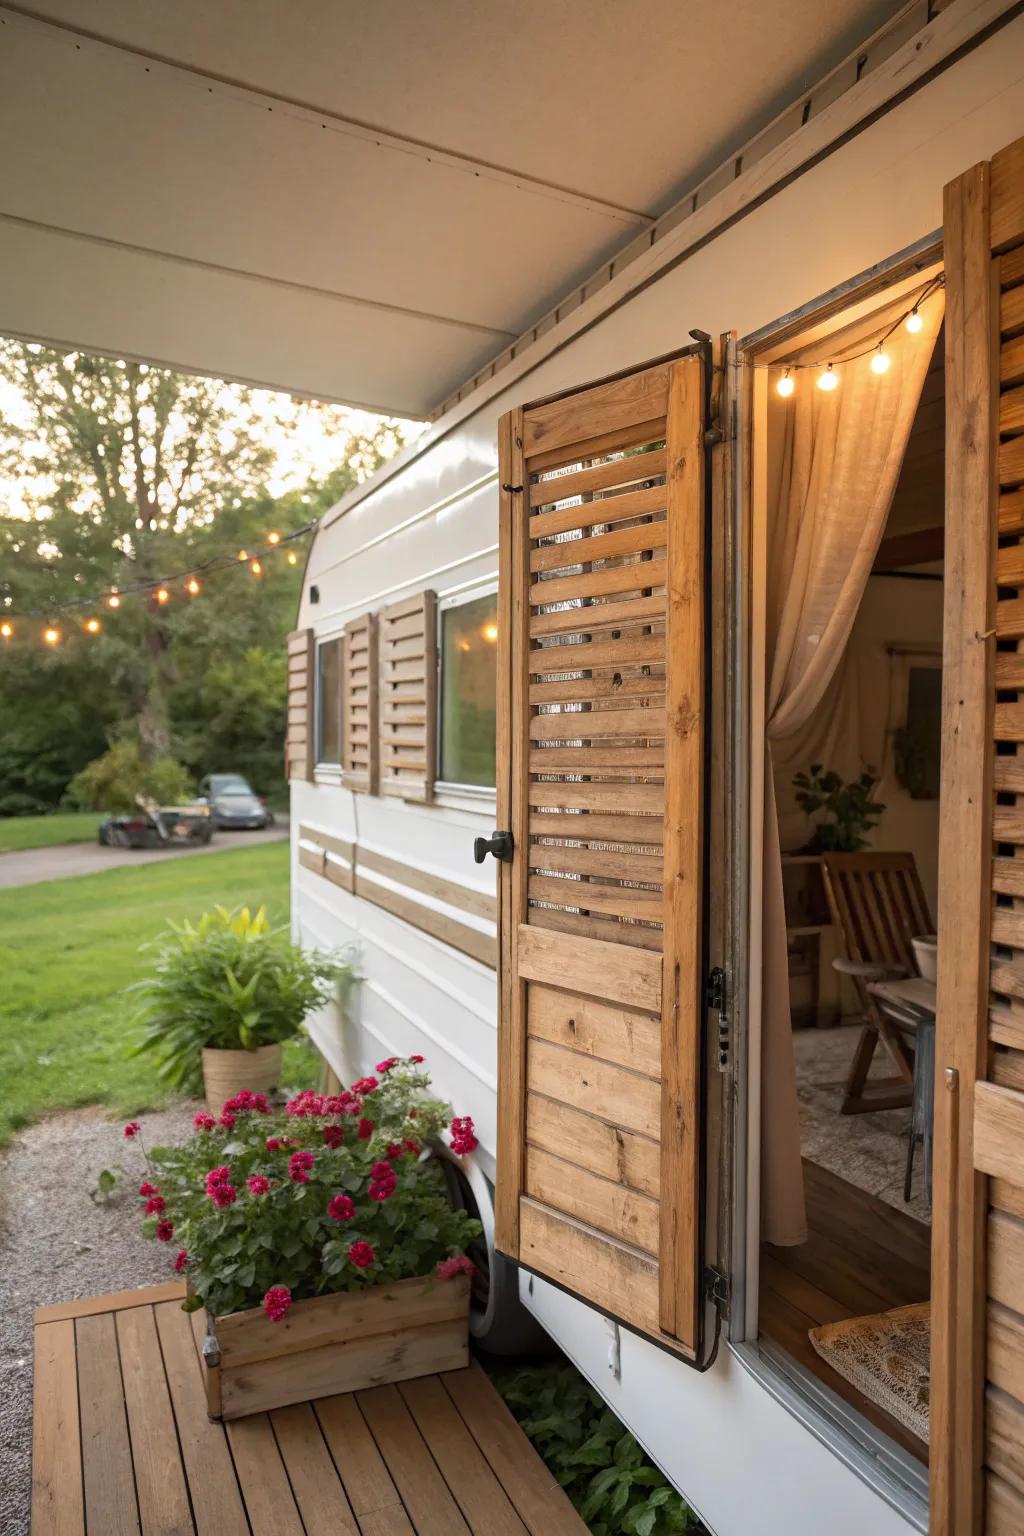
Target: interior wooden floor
[[861, 1256]]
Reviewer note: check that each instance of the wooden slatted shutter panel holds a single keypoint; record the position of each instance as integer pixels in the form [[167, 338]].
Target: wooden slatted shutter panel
[[407, 647], [299, 744], [600, 752], [977, 1430], [360, 745]]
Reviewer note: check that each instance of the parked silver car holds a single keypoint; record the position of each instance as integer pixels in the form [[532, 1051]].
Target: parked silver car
[[233, 803]]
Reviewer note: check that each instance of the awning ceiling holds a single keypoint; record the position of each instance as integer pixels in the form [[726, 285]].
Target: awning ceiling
[[361, 202]]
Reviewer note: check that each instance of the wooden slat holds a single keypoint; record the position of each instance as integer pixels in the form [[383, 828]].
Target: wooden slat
[[632, 648], [645, 798], [360, 740], [614, 613], [608, 1150], [615, 973], [58, 1505], [1004, 1508], [617, 1279], [599, 477], [269, 1500], [625, 1036], [315, 1485], [407, 653], [633, 831], [114, 1301], [597, 724], [159, 1478], [590, 514], [598, 1088], [622, 403], [452, 892], [626, 683], [1007, 205], [999, 1132], [614, 440], [1011, 362], [301, 748], [601, 1203], [361, 1466], [637, 539], [1011, 470], [484, 1503], [593, 925], [1006, 1260], [1004, 1437], [1005, 1349], [449, 930], [110, 1503], [424, 1492], [611, 579]]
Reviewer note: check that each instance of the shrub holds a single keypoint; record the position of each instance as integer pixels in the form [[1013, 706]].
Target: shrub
[[333, 1193], [232, 982], [112, 782]]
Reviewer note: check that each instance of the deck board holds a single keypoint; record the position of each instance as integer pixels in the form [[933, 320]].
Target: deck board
[[122, 1443]]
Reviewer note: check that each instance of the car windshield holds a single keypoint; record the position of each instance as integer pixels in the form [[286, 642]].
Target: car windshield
[[229, 784]]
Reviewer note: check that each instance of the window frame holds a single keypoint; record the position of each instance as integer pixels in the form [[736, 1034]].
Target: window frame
[[325, 764], [444, 605]]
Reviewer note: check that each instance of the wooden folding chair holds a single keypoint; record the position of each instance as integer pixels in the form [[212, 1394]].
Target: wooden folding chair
[[878, 907]]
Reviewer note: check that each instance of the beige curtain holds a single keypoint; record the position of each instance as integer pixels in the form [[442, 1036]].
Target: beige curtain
[[831, 482]]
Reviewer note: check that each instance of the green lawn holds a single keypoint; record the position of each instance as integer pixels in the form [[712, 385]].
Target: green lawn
[[18, 832], [68, 948]]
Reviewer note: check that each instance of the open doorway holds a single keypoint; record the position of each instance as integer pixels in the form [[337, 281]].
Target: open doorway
[[854, 527]]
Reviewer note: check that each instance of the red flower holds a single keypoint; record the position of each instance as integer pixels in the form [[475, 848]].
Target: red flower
[[341, 1208], [416, 1060], [164, 1231], [365, 1085], [458, 1265], [299, 1165], [247, 1102], [393, 1150], [227, 1120], [413, 1147], [361, 1255], [382, 1171], [334, 1136], [155, 1204], [132, 1129], [385, 1066], [463, 1137], [203, 1122], [365, 1130], [344, 1103], [276, 1302], [258, 1185], [307, 1103], [146, 1188], [383, 1190], [182, 1260], [222, 1195], [274, 1143], [221, 1175]]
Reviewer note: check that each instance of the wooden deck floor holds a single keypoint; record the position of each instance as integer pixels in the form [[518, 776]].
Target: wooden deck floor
[[122, 1445], [861, 1256]]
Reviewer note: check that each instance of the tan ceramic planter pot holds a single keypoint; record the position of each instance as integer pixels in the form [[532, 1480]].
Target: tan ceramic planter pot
[[226, 1073]]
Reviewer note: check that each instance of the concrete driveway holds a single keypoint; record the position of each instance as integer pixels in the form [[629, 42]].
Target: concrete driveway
[[34, 865]]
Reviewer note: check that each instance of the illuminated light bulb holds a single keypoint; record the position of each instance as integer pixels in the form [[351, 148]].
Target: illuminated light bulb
[[113, 601], [786, 385], [464, 645], [880, 361], [243, 554], [490, 632], [6, 631], [829, 380], [273, 538], [914, 322], [162, 595], [52, 635], [256, 568], [192, 586], [293, 558], [93, 626]]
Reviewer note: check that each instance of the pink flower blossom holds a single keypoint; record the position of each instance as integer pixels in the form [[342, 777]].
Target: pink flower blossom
[[276, 1302], [155, 1204], [257, 1184], [132, 1129], [274, 1143], [222, 1195], [385, 1066], [457, 1265], [334, 1136], [164, 1231], [247, 1102], [182, 1260], [361, 1255], [365, 1130], [227, 1120], [365, 1085], [344, 1103], [306, 1103], [146, 1189], [299, 1165], [203, 1121], [463, 1137], [221, 1175], [341, 1208]]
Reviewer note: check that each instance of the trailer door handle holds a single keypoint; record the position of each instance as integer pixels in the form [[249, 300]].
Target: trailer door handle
[[500, 844]]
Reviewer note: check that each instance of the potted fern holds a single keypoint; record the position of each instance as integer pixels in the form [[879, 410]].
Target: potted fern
[[224, 994]]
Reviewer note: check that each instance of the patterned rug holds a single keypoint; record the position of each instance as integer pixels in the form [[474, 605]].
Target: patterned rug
[[885, 1356]]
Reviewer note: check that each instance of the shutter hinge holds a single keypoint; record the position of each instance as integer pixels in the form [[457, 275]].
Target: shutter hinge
[[716, 999], [717, 1287]]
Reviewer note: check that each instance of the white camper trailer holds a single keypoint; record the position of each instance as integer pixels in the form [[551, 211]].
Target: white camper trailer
[[744, 503]]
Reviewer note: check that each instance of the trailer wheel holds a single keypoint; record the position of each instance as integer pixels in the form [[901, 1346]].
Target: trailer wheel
[[498, 1321]]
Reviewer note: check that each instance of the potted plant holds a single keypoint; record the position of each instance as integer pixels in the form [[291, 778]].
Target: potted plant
[[848, 809], [319, 1238], [223, 996]]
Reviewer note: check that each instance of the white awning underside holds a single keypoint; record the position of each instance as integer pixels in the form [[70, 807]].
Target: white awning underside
[[356, 201]]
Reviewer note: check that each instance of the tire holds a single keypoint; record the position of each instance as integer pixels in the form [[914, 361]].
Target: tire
[[498, 1321]]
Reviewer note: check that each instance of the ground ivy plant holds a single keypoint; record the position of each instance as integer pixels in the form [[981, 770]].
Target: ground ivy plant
[[592, 1455], [334, 1192]]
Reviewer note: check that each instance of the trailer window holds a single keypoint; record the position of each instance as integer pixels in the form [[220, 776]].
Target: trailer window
[[328, 701], [469, 635]]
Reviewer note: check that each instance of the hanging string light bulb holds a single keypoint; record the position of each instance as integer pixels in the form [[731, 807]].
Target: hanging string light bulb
[[162, 595], [274, 537], [92, 626], [914, 321], [6, 630], [293, 558], [192, 587], [51, 635], [256, 567], [880, 361], [786, 384], [243, 554], [828, 380], [114, 600]]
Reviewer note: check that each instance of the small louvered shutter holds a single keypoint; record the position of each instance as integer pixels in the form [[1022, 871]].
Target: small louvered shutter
[[601, 769], [359, 693], [407, 648], [299, 745], [977, 1341]]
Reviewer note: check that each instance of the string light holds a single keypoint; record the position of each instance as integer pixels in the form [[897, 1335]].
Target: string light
[[828, 380], [786, 384], [93, 626], [490, 632], [293, 558], [162, 595], [880, 361], [274, 538], [256, 568], [914, 321], [6, 631], [192, 587], [243, 554], [52, 635], [113, 601]]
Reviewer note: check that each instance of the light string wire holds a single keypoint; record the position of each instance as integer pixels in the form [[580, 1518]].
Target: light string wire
[[875, 346]]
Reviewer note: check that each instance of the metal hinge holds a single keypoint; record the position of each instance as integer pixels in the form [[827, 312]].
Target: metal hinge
[[717, 1287], [716, 999]]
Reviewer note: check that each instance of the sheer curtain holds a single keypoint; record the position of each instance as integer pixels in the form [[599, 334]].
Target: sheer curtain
[[829, 496]]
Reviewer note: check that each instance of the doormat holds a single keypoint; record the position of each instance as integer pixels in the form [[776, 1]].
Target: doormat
[[885, 1356]]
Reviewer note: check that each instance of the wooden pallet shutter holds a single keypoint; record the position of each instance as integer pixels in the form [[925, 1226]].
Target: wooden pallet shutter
[[600, 754], [360, 745], [299, 744], [407, 646], [977, 1425]]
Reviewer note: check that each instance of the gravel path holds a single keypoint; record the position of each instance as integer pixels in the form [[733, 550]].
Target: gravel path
[[57, 1244]]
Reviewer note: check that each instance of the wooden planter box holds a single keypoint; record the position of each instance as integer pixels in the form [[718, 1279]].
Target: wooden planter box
[[335, 1344]]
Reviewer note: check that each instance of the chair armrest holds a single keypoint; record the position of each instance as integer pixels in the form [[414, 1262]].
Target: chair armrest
[[869, 970]]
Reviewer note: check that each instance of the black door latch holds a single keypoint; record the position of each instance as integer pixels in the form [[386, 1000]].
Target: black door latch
[[499, 843]]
